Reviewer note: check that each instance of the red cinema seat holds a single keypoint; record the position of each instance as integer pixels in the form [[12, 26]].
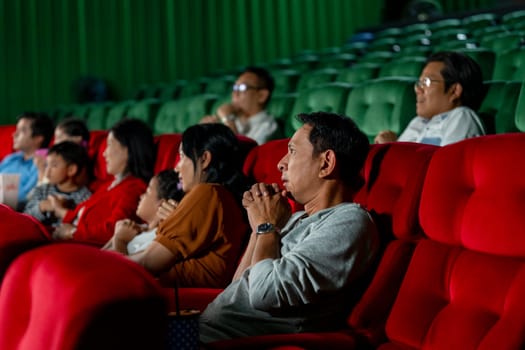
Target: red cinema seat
[[167, 151], [72, 296], [261, 164], [6, 140], [394, 174], [96, 148], [465, 285], [18, 233]]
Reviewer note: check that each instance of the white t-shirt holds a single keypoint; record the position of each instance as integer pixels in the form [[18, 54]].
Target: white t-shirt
[[141, 241], [259, 127]]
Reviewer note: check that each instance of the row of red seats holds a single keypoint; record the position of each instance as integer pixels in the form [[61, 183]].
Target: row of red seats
[[451, 276]]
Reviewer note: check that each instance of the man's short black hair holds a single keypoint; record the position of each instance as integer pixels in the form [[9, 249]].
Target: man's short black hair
[[41, 125], [342, 135]]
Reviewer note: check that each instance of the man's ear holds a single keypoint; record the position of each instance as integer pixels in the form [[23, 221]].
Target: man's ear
[[262, 96], [327, 163], [456, 91], [72, 170], [205, 160]]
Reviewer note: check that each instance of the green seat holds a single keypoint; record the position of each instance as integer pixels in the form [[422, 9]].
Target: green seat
[[376, 57], [327, 98], [500, 42], [305, 62], [145, 110], [280, 107], [171, 91], [339, 60], [520, 111], [285, 80], [416, 28], [96, 118], [220, 85], [221, 99], [81, 111], [382, 44], [316, 77], [117, 112], [513, 17], [510, 65], [403, 67], [390, 32], [479, 20], [444, 24], [176, 115], [498, 109], [485, 58], [382, 104], [192, 87], [358, 73]]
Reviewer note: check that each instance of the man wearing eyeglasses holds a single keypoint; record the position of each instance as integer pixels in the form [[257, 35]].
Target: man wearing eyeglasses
[[448, 92], [246, 113]]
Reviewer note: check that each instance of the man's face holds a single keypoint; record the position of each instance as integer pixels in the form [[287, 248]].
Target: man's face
[[22, 139], [251, 100], [433, 99], [300, 169]]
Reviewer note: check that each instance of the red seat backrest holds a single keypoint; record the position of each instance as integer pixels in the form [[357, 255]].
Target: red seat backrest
[[18, 233], [261, 164], [72, 296], [6, 140], [394, 174], [96, 147], [167, 151], [465, 284]]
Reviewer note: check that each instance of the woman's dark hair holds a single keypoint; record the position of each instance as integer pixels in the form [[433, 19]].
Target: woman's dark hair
[[342, 135], [75, 127], [137, 137], [461, 68], [72, 153], [225, 167], [168, 185]]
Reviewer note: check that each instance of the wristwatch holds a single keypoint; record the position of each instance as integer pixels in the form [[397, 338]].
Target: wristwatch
[[266, 227]]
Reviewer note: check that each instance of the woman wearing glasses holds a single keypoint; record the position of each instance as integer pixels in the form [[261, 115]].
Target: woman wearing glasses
[[246, 113], [448, 92]]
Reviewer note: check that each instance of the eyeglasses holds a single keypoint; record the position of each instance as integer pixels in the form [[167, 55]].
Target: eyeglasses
[[244, 87], [425, 82]]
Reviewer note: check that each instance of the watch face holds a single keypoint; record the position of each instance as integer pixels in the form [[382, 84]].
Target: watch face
[[265, 228]]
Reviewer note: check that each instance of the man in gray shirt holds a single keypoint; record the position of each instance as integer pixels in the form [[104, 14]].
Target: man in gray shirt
[[301, 272]]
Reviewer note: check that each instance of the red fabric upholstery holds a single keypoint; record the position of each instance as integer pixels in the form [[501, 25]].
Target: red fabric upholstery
[[6, 140], [97, 145], [261, 164], [18, 233], [70, 296], [464, 286], [167, 151], [393, 176]]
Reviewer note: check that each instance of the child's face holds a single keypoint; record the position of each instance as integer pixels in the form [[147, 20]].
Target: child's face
[[56, 169], [149, 202]]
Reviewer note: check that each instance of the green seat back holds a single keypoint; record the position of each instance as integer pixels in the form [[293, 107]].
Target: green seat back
[[145, 110], [280, 107], [510, 65], [491, 104], [358, 73], [382, 104], [220, 85], [96, 118], [403, 67], [327, 98], [175, 116], [117, 112], [285, 80], [316, 77], [520, 111], [485, 58]]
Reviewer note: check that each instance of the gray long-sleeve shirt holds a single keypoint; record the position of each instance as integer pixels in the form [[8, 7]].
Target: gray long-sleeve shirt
[[310, 287]]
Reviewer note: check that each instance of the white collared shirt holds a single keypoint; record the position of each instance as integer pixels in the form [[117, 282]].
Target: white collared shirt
[[452, 126], [259, 127]]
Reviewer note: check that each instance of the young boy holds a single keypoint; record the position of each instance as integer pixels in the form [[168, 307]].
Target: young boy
[[65, 169]]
